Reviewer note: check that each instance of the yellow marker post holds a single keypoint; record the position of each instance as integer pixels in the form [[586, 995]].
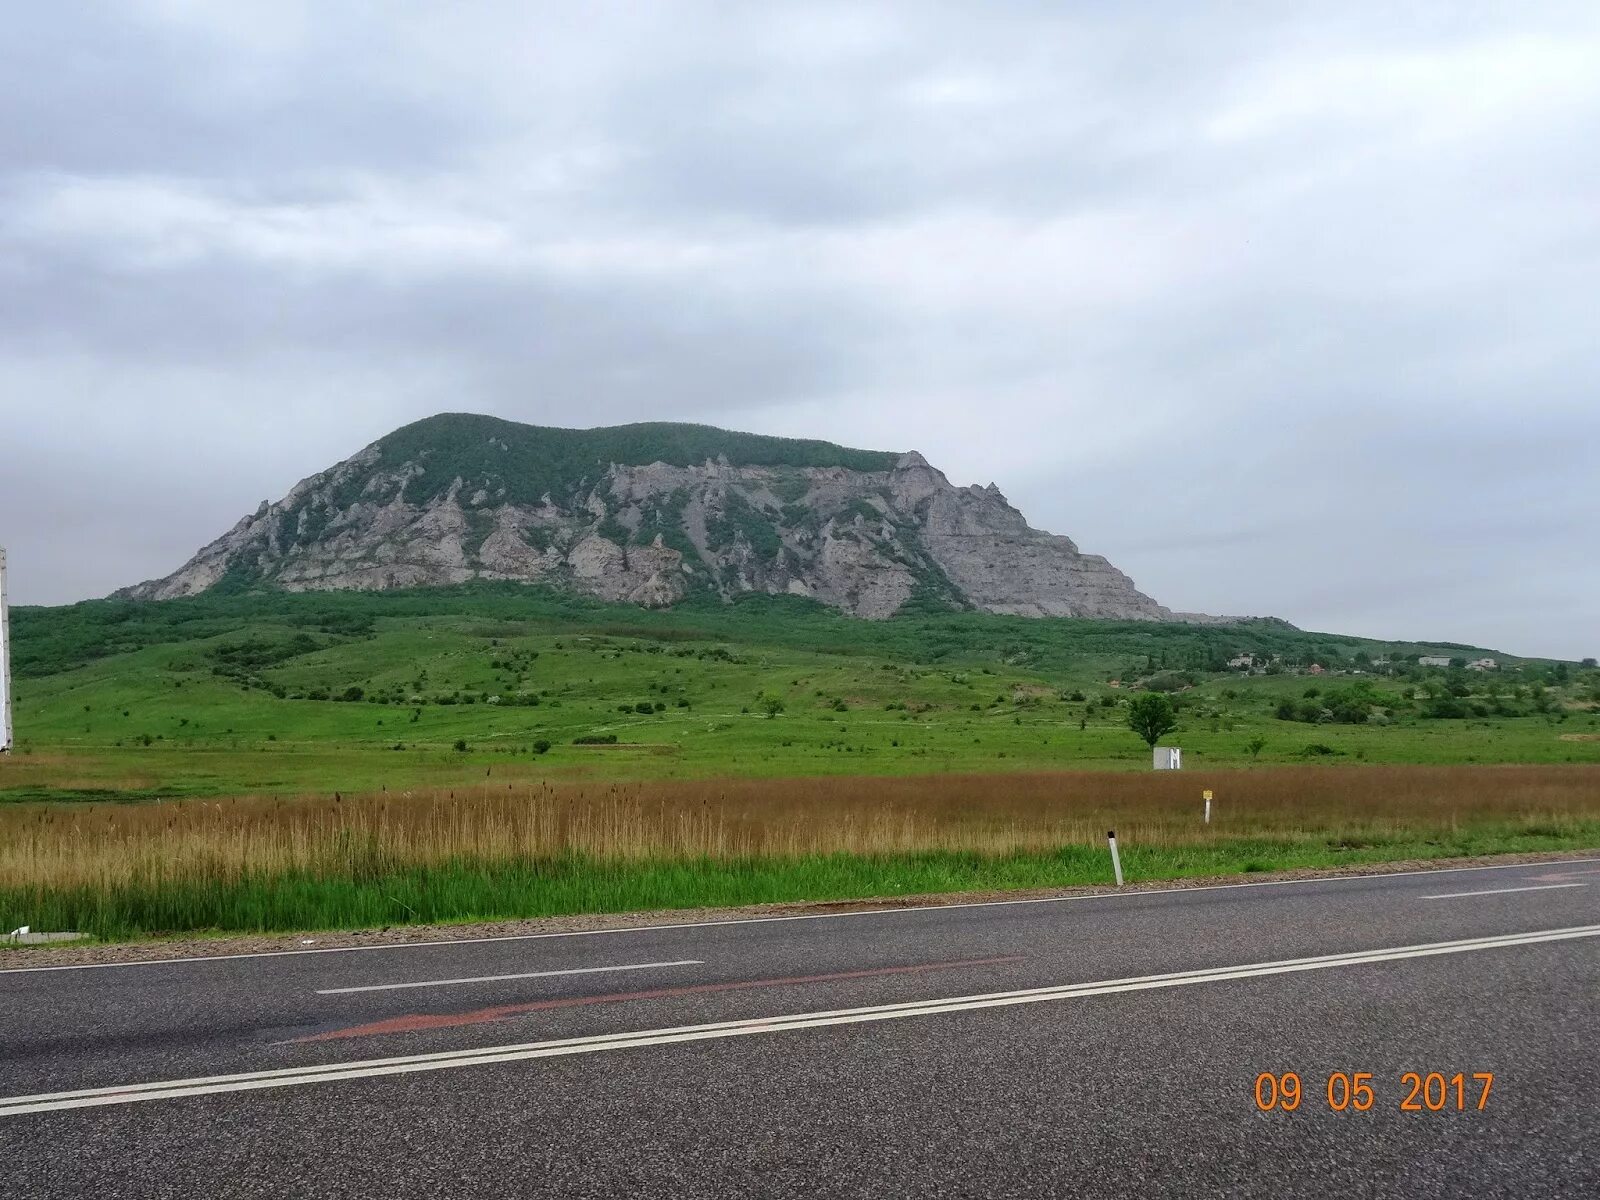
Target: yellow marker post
[[1207, 795]]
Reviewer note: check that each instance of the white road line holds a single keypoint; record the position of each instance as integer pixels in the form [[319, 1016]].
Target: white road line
[[445, 1060], [1538, 887], [392, 987], [867, 912]]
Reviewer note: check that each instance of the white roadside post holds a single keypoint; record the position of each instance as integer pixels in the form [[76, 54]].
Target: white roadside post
[[1207, 795], [5, 661], [1116, 859]]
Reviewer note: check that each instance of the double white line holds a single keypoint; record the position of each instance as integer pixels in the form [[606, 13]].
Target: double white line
[[371, 1068]]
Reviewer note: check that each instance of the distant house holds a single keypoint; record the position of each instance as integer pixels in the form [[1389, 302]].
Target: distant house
[[1242, 662], [1483, 664], [1433, 661], [1316, 669]]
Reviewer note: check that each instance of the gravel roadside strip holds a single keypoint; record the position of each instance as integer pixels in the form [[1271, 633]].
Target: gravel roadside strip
[[79, 953]]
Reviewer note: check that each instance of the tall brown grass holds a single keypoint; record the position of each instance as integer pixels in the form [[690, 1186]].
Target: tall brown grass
[[105, 844]]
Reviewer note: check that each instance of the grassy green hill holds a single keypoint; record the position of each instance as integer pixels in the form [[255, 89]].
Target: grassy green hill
[[276, 692]]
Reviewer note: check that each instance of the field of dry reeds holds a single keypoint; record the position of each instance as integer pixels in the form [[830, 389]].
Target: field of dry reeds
[[519, 850]]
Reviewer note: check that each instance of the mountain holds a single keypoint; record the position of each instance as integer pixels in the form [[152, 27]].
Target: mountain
[[654, 513]]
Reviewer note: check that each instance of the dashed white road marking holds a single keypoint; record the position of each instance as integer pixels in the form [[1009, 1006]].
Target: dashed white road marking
[[393, 987], [372, 1068], [1537, 887], [834, 916]]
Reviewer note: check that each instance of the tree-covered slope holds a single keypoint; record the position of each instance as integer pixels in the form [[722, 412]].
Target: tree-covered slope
[[532, 461]]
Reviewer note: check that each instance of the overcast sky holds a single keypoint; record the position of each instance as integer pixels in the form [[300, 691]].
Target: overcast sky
[[1285, 315]]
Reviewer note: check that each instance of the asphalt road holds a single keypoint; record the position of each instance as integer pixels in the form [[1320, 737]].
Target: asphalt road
[[1015, 1049]]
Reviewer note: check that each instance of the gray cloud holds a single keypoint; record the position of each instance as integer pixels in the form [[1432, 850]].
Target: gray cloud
[[1283, 313]]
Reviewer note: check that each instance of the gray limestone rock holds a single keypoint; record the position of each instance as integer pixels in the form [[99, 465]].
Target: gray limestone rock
[[865, 534]]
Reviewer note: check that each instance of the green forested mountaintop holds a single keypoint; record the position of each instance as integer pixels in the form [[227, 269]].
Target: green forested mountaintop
[[532, 460]]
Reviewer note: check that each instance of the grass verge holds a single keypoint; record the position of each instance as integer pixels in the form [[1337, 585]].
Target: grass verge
[[468, 890]]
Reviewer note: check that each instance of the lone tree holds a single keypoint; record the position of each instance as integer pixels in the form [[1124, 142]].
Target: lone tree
[[1151, 716]]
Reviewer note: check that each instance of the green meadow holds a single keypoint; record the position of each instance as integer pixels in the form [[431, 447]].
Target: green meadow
[[313, 693], [274, 761]]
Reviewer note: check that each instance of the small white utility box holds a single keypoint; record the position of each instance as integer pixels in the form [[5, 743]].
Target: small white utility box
[[1169, 758]]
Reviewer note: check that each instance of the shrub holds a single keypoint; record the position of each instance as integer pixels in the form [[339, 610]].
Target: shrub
[[1348, 710], [461, 745], [1347, 706], [595, 739], [541, 746]]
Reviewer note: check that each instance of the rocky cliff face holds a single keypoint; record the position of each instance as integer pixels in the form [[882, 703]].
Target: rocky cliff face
[[648, 514]]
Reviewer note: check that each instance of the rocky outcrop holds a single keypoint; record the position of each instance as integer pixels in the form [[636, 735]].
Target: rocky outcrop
[[461, 498]]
